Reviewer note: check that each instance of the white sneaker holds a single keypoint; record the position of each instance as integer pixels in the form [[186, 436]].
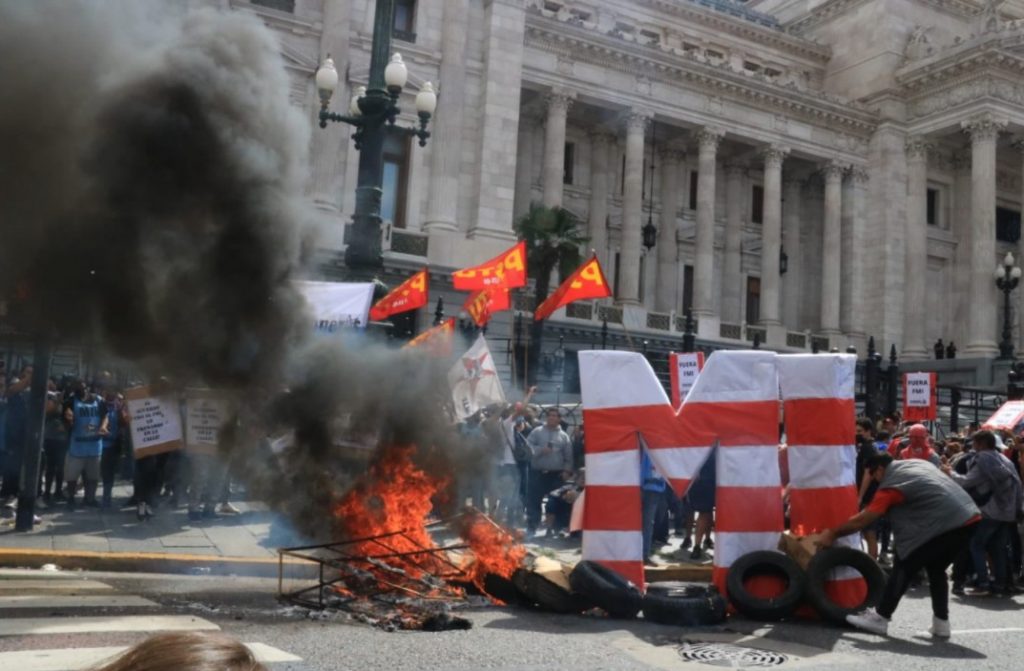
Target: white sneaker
[[871, 621], [940, 628]]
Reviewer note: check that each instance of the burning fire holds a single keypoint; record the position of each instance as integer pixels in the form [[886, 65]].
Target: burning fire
[[396, 496], [495, 549]]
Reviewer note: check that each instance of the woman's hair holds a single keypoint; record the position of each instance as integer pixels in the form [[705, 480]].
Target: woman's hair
[[186, 651]]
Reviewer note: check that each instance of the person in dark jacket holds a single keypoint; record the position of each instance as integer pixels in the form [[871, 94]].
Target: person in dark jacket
[[932, 518]]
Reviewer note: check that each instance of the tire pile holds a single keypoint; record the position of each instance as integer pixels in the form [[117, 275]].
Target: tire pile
[[801, 587], [590, 585]]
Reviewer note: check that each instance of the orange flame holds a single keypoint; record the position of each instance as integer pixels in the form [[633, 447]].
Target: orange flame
[[494, 549]]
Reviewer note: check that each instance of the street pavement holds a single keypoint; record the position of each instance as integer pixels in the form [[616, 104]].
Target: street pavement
[[55, 615]]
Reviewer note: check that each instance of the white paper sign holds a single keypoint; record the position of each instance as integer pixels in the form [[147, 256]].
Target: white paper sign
[[919, 390], [1007, 416], [204, 415], [475, 381], [337, 305], [687, 367], [155, 422]]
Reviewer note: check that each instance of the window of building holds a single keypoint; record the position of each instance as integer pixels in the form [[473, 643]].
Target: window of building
[[687, 288], [396, 179], [650, 35], [753, 300], [1007, 224], [553, 6], [694, 178], [757, 204], [933, 207], [751, 66], [569, 163], [403, 27], [279, 5], [625, 28], [580, 14], [772, 72], [714, 55]]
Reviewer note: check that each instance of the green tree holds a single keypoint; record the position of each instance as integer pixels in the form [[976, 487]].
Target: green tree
[[553, 242]]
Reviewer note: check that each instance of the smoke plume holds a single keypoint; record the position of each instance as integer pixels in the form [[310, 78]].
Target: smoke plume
[[151, 195]]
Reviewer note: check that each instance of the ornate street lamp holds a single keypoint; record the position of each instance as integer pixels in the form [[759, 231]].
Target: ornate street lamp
[[372, 111], [649, 231], [1007, 278]]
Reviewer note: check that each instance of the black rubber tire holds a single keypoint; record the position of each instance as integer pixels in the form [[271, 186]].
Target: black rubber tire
[[677, 589], [540, 592], [685, 611], [766, 562], [834, 557], [606, 589], [502, 589]]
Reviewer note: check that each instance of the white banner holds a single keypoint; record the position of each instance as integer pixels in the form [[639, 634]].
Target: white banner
[[337, 305], [919, 390], [155, 421], [474, 380], [205, 413], [1008, 416]]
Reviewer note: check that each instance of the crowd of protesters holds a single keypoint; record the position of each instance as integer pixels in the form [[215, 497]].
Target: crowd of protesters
[[87, 448]]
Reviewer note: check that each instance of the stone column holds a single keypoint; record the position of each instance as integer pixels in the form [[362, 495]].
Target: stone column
[[982, 321], [961, 228], [668, 263], [855, 259], [524, 166], [771, 235], [831, 249], [632, 204], [732, 259], [792, 188], [1018, 144], [916, 262], [597, 220], [446, 139], [704, 261], [554, 148]]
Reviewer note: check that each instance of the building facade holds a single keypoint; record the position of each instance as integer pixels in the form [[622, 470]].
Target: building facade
[[818, 171]]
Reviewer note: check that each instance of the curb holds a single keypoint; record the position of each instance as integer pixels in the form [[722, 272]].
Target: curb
[[142, 562]]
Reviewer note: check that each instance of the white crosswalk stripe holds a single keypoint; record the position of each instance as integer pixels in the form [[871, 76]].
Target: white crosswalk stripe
[[69, 597]]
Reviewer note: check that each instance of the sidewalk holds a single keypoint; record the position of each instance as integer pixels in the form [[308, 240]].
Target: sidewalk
[[90, 538]]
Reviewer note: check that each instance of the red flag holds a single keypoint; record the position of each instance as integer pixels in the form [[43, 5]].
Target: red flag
[[508, 270], [409, 295], [587, 282], [437, 340], [484, 303]]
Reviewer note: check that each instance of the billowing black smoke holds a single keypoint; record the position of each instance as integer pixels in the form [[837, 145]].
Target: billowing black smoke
[[151, 195]]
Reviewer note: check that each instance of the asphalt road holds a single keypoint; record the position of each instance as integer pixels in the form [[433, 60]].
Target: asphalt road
[[988, 633]]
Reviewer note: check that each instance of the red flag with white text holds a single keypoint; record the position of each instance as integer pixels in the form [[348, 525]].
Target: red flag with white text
[[409, 295]]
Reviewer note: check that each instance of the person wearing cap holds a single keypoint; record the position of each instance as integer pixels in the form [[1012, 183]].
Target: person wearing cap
[[932, 518], [996, 488], [920, 446]]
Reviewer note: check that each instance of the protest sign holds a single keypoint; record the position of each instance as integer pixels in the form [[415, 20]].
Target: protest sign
[[683, 371], [155, 421], [919, 397], [1007, 417], [205, 413]]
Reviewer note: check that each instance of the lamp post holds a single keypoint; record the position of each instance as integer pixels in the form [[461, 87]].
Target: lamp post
[[649, 232], [372, 111], [1007, 278]]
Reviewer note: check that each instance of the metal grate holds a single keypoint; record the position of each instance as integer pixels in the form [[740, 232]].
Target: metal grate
[[406, 242], [752, 332], [821, 342], [580, 310], [726, 655], [613, 315], [796, 340], [658, 321], [733, 331]]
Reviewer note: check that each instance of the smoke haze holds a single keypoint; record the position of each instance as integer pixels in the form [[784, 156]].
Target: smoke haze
[[151, 193]]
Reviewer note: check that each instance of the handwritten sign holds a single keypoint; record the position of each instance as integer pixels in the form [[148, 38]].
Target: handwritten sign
[[1007, 417], [683, 371], [155, 421], [205, 414], [919, 396]]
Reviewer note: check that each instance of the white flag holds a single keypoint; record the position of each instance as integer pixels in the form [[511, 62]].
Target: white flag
[[336, 305], [474, 380]]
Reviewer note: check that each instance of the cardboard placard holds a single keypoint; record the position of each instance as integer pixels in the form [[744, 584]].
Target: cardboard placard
[[684, 367], [205, 414], [155, 421], [920, 396], [1007, 417], [799, 548]]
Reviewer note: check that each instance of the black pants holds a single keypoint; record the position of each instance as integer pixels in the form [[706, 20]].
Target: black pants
[[108, 469], [541, 484], [934, 557], [147, 479], [54, 452]]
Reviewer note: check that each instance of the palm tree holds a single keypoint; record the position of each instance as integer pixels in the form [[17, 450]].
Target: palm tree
[[553, 241]]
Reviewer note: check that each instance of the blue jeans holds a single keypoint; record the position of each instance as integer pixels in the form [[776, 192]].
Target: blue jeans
[[990, 539], [650, 502]]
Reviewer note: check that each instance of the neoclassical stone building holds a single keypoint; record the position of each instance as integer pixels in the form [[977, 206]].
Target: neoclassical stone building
[[815, 169]]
